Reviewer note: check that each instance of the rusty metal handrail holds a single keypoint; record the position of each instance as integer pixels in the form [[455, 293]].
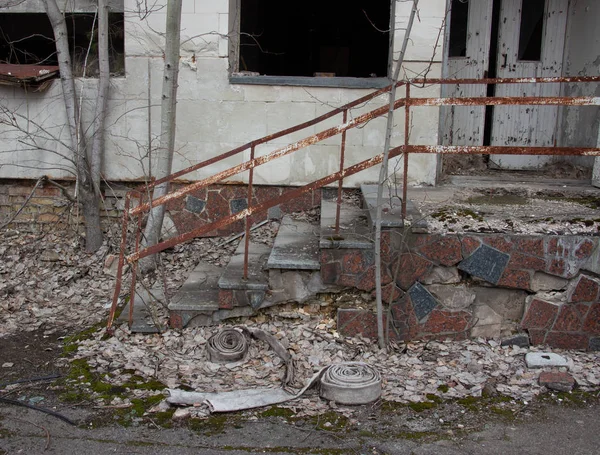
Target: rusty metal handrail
[[343, 172]]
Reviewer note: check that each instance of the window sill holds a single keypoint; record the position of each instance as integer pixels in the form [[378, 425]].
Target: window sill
[[334, 82]]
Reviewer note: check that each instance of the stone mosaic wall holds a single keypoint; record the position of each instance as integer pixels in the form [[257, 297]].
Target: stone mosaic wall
[[490, 285]]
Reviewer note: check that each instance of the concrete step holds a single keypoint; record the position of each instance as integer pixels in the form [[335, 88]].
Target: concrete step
[[143, 320], [198, 298], [234, 290], [296, 246], [354, 232], [391, 216]]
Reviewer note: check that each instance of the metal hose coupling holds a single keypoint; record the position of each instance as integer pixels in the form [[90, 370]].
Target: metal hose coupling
[[351, 383], [228, 345]]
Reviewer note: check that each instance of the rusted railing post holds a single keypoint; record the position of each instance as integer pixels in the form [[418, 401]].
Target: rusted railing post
[[341, 182], [115, 300], [134, 266], [405, 151], [247, 219]]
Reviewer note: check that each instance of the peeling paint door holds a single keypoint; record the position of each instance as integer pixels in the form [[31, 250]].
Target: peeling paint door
[[530, 44], [467, 56]]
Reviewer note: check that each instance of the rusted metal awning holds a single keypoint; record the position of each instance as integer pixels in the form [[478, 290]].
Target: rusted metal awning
[[37, 77]]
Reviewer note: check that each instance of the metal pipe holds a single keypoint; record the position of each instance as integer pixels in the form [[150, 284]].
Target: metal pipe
[[405, 154], [341, 182], [134, 267], [248, 204], [115, 300]]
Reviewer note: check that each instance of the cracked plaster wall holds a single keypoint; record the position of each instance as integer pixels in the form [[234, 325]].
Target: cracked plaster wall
[[215, 116]]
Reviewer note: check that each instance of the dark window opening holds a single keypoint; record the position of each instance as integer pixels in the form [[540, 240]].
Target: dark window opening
[[27, 38], [315, 38], [532, 28], [459, 19]]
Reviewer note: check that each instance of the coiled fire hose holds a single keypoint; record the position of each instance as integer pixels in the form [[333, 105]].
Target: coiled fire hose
[[351, 383], [228, 345]]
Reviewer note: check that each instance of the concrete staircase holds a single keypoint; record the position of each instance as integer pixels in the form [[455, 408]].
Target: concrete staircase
[[288, 272]]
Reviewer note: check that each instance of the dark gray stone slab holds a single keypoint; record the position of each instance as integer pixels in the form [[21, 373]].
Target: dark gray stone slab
[[521, 340], [486, 262], [391, 216], [296, 246], [422, 301], [200, 292], [233, 276], [194, 205], [142, 317], [237, 205], [354, 232], [594, 344]]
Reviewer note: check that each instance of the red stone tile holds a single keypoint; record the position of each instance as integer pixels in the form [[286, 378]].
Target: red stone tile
[[525, 261], [216, 206], [540, 315], [347, 280], [500, 243], [356, 262], [175, 321], [585, 249], [518, 279], [469, 245], [554, 247], [586, 290], [567, 340], [411, 268], [531, 246], [556, 380], [537, 336], [404, 320], [330, 272], [303, 202], [569, 319], [351, 322], [389, 290], [367, 281], [556, 267], [592, 320], [226, 300], [445, 251], [266, 193], [440, 321], [420, 240]]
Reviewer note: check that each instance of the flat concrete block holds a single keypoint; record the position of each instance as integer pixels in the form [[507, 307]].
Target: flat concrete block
[[545, 359], [391, 216], [354, 229], [296, 246], [142, 317], [233, 277], [486, 263], [544, 282], [453, 297], [422, 301], [200, 292]]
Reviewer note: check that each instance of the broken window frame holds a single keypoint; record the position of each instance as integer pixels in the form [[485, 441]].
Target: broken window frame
[[84, 7], [521, 50], [335, 82]]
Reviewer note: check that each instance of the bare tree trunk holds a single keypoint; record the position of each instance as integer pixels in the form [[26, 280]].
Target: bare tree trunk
[[383, 175], [102, 96], [164, 157], [87, 197]]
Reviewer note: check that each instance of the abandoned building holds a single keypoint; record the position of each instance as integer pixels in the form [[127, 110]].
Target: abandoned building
[[252, 68]]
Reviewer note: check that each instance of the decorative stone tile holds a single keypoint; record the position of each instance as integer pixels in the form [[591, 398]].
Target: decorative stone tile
[[567, 340], [537, 336], [531, 246], [584, 289], [352, 322], [500, 243], [357, 261], [194, 205], [594, 344], [568, 320], [390, 291], [226, 299], [412, 268], [422, 301], [517, 279], [555, 247], [525, 261], [486, 263], [540, 315], [585, 249], [592, 320], [556, 267], [469, 245], [237, 205], [441, 321], [445, 251]]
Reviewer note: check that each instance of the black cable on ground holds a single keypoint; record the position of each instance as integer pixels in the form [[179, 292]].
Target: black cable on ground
[[37, 408]]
